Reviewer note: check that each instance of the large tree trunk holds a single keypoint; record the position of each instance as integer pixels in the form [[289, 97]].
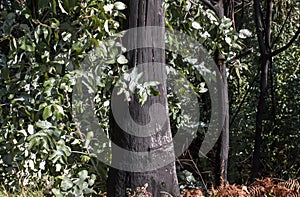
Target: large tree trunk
[[164, 179]]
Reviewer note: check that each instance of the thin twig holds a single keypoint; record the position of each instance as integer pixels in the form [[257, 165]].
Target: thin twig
[[294, 38], [282, 27], [243, 100], [210, 5]]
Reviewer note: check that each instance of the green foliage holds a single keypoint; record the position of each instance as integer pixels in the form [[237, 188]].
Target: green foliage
[[280, 147], [192, 18], [188, 181], [41, 44], [132, 83], [24, 192]]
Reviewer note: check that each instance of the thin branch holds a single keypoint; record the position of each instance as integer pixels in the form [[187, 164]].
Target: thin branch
[[243, 100], [78, 152], [210, 5], [294, 38], [197, 169], [259, 26], [241, 55], [282, 27], [268, 24]]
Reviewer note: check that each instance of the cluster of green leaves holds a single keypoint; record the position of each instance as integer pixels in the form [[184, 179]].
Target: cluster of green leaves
[[281, 119], [193, 19], [41, 44], [281, 141], [281, 116], [131, 83], [24, 192]]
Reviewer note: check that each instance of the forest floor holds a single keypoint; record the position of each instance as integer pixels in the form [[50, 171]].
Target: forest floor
[[260, 188], [267, 187]]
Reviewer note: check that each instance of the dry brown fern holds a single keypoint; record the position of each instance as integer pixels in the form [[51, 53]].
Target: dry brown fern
[[291, 184], [192, 193], [229, 190], [267, 187]]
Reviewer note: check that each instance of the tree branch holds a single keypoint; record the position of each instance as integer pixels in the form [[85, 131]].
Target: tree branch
[[243, 99], [294, 38], [241, 55], [282, 27], [259, 27], [210, 5], [268, 25]]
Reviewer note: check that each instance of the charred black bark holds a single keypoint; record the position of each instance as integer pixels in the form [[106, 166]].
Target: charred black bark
[[163, 180], [223, 142], [263, 30], [222, 8]]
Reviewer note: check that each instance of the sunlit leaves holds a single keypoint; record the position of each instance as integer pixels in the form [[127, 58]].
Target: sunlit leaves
[[39, 50], [47, 112], [26, 44], [66, 183], [119, 5], [122, 59], [60, 153], [132, 83], [244, 33], [196, 25], [108, 8], [62, 8], [78, 184]]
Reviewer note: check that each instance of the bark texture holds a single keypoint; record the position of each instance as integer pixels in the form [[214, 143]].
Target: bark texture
[[223, 142], [163, 180], [264, 41], [222, 8]]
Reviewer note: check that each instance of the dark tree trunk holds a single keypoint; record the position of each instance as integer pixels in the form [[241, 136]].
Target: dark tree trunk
[[259, 117], [263, 30], [264, 41], [223, 142], [162, 180], [222, 8]]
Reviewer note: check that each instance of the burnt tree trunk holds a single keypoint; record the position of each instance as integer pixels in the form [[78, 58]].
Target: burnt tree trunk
[[263, 31], [162, 180], [222, 8], [223, 142], [264, 41]]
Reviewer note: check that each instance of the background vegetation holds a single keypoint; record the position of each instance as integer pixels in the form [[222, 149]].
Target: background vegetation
[[43, 42]]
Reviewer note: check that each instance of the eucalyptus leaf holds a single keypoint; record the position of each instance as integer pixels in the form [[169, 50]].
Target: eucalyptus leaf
[[47, 112], [196, 25], [119, 5], [122, 59], [43, 124], [66, 183]]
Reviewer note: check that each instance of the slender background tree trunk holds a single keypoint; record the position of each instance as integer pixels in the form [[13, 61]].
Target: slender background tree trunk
[[264, 41], [222, 8], [223, 142]]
